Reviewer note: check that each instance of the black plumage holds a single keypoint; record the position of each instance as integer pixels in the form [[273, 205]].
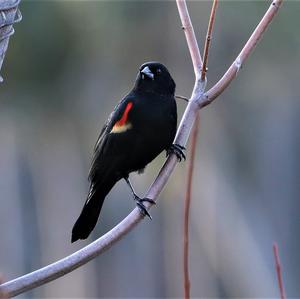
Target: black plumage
[[141, 126]]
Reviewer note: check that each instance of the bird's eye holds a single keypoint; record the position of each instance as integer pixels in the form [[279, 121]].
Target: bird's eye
[[158, 71]]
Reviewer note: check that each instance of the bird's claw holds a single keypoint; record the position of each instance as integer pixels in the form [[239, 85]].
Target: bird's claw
[[141, 206], [177, 149]]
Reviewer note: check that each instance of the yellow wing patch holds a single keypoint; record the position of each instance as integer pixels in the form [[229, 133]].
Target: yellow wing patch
[[121, 129]]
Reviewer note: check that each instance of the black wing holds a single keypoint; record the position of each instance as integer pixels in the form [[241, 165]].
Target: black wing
[[101, 141], [113, 118]]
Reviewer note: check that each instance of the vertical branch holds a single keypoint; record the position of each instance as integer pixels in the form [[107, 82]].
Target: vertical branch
[[279, 271], [197, 64], [187, 204], [190, 36]]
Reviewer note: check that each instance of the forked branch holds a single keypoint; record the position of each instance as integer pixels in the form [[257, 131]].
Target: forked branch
[[197, 100]]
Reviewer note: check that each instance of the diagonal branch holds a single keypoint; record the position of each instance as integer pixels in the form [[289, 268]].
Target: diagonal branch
[[197, 100], [231, 73]]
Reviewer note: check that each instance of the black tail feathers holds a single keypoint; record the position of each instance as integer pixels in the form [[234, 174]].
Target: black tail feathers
[[87, 219], [90, 213]]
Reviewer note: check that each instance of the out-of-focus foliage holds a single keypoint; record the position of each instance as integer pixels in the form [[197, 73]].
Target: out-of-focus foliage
[[67, 66]]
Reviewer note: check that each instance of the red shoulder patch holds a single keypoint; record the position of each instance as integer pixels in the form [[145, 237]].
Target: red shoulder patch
[[124, 118]]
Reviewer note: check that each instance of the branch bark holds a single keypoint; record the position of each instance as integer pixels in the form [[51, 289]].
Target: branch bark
[[198, 100], [190, 37]]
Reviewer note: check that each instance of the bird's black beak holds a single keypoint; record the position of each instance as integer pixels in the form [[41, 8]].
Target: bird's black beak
[[147, 72]]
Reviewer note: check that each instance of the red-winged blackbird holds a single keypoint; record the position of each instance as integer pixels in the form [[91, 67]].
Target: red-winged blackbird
[[141, 126]]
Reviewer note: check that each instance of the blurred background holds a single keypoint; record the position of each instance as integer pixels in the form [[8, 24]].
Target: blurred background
[[67, 66]]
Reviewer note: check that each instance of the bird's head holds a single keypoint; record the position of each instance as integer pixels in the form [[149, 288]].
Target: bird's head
[[155, 77]]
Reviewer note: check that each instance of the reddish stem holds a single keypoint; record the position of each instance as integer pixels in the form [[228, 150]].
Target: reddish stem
[[279, 271], [187, 204], [208, 38]]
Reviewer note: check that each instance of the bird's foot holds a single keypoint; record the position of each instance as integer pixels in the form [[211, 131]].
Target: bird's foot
[[177, 149], [141, 206]]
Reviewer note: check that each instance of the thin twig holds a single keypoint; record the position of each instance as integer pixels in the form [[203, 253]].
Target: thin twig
[[208, 39], [187, 204], [82, 256], [279, 271], [181, 97], [231, 73]]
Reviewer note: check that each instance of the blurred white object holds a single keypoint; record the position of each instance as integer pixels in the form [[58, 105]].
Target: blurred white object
[[9, 14]]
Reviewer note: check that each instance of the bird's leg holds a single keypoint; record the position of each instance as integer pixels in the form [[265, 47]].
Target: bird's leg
[[139, 201], [177, 149]]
